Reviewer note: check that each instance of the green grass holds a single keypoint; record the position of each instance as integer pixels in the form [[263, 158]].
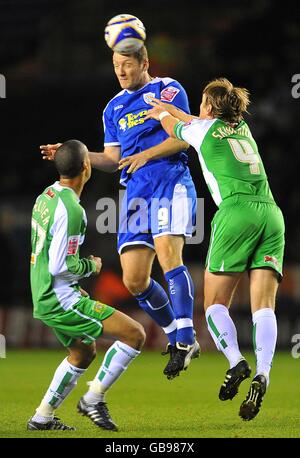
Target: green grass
[[146, 405]]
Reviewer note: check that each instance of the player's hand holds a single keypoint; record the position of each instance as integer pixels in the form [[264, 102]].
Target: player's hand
[[98, 263], [48, 151], [83, 292], [158, 107], [134, 162]]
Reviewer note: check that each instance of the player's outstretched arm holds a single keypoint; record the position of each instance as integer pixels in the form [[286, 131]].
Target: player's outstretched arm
[[159, 107], [107, 160]]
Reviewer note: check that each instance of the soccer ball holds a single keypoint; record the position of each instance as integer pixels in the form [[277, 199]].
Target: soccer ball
[[125, 34]]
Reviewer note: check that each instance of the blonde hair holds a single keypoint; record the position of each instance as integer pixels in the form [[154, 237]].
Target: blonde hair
[[227, 101]]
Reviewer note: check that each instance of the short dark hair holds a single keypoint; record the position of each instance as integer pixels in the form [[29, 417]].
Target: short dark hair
[[69, 158], [140, 55]]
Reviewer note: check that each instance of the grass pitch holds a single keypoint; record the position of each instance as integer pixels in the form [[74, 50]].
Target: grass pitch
[[145, 404]]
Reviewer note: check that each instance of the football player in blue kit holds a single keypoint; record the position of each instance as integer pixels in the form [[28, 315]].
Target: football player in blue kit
[[159, 205]]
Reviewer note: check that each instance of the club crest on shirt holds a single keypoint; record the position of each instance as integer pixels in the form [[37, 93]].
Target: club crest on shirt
[[147, 95]]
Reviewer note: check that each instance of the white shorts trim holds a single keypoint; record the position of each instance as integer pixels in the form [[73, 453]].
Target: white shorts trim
[[171, 233], [112, 144], [138, 242]]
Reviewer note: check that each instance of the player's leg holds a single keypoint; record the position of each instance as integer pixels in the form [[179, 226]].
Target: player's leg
[[218, 293], [136, 262], [64, 381], [263, 289], [265, 273], [181, 288], [173, 217], [235, 233], [120, 354], [181, 291]]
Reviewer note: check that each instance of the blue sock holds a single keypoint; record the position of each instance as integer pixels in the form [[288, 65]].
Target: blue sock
[[156, 303], [181, 289]]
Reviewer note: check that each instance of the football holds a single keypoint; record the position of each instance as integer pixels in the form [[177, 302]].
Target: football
[[125, 34]]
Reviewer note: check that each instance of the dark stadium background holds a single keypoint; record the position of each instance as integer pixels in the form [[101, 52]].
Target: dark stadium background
[[59, 78]]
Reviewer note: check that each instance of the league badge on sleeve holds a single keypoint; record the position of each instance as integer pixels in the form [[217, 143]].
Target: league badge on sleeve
[[73, 243], [169, 93]]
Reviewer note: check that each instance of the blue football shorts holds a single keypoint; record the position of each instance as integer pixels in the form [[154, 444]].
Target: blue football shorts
[[157, 201]]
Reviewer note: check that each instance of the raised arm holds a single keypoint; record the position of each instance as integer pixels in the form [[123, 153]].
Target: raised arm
[[168, 115], [168, 147], [107, 160]]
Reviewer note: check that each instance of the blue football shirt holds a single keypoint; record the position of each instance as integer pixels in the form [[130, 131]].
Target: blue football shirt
[[124, 124]]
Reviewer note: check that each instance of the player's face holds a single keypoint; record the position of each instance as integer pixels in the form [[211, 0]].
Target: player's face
[[130, 72]]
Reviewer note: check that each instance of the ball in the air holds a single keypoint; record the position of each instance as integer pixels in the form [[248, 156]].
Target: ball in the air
[[125, 33]]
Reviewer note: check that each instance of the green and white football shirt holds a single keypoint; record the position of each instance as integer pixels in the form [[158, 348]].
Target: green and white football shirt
[[248, 228], [58, 228], [228, 156]]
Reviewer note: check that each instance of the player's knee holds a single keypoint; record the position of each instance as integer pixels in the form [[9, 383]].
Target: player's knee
[[136, 285], [84, 357], [136, 336], [169, 258], [92, 354]]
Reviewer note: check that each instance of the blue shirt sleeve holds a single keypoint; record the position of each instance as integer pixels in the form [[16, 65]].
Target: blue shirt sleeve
[[175, 94], [110, 130]]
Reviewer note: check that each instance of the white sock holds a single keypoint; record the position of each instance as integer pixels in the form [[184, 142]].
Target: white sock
[[264, 340], [223, 332], [115, 362], [64, 380]]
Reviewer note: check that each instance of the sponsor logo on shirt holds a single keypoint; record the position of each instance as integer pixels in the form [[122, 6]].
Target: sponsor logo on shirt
[[118, 107], [73, 244], [169, 93], [130, 120]]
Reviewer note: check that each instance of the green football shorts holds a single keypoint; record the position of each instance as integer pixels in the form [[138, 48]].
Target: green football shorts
[[246, 234], [83, 321]]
